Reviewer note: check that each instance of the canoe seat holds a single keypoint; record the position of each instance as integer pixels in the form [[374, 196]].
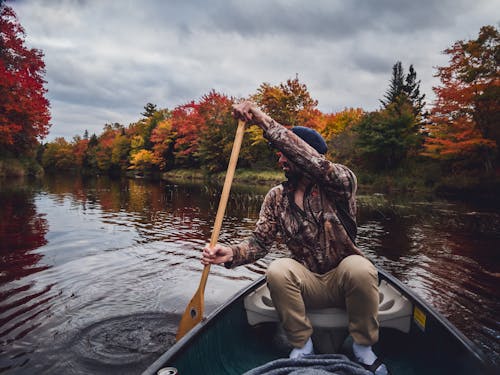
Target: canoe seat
[[395, 310]]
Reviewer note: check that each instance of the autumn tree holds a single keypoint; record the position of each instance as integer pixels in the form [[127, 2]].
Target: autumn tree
[[104, 148], [80, 146], [142, 161], [188, 124], [338, 131], [290, 104], [163, 139], [285, 101], [24, 110], [120, 150], [58, 155], [217, 134], [143, 128], [465, 117]]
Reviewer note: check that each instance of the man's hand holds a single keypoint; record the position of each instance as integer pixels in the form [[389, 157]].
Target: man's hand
[[216, 255], [245, 111], [252, 115]]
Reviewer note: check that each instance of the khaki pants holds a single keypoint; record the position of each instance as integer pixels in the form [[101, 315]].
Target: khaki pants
[[352, 285]]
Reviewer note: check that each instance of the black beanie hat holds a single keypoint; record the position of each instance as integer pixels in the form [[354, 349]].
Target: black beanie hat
[[312, 137]]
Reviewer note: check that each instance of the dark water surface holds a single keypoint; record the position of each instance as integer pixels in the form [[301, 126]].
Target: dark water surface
[[95, 274]]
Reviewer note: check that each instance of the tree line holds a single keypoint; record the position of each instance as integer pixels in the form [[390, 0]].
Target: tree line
[[458, 132]]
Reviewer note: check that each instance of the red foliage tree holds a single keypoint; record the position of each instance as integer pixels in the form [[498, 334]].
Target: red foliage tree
[[217, 135], [188, 124], [80, 147], [465, 114], [24, 110]]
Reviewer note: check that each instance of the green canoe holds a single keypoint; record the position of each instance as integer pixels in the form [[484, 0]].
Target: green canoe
[[245, 333]]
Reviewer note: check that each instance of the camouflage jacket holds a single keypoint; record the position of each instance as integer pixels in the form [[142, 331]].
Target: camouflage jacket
[[316, 235]]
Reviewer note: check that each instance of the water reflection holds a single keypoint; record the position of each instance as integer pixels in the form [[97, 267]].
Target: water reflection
[[22, 231], [448, 255], [91, 268]]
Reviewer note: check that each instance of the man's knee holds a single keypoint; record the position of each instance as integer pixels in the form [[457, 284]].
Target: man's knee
[[278, 271], [359, 269], [285, 271]]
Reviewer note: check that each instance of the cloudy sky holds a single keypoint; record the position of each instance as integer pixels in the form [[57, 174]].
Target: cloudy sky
[[105, 59]]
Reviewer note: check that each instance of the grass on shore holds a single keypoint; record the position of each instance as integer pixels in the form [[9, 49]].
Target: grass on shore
[[241, 175]]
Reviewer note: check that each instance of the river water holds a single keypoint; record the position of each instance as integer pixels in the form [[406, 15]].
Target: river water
[[96, 273]]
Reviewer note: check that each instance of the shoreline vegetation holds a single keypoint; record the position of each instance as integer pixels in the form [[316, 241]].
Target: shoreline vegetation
[[458, 187], [423, 180]]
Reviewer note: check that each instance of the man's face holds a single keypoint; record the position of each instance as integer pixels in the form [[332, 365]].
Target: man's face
[[290, 169]]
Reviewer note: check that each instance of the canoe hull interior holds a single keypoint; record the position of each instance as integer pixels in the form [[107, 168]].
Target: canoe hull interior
[[225, 343]]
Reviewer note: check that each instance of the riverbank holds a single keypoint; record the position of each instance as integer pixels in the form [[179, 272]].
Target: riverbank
[[424, 182], [20, 167], [240, 175]]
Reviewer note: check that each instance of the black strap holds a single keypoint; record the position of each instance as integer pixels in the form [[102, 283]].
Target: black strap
[[345, 218], [374, 366]]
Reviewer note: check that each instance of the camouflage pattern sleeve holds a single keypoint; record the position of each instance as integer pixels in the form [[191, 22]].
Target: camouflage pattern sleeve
[[262, 238]]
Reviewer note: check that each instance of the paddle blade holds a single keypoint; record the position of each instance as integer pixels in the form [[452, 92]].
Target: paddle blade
[[192, 315]]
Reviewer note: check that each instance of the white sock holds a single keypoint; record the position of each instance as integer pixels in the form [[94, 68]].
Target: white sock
[[364, 353], [307, 349]]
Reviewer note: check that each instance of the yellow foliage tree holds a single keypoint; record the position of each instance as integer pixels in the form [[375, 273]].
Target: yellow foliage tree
[[142, 161]]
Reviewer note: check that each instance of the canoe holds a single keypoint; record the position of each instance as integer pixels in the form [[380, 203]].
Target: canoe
[[245, 333]]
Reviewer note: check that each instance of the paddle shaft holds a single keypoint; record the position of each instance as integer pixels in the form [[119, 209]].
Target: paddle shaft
[[194, 310], [233, 160]]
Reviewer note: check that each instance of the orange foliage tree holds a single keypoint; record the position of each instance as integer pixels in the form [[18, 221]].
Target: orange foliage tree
[[338, 131], [80, 146], [163, 140], [288, 103], [465, 118], [24, 110], [105, 145]]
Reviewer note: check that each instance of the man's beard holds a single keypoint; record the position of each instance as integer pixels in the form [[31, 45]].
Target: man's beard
[[292, 176]]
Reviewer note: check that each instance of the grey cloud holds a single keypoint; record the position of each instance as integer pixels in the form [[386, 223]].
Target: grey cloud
[[106, 59], [373, 63], [323, 19]]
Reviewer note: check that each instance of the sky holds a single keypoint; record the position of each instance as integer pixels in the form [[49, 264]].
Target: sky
[[106, 59]]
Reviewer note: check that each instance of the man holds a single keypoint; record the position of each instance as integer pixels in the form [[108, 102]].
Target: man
[[314, 214]]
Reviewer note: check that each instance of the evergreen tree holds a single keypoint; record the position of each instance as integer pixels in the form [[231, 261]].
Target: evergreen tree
[[404, 89], [149, 110], [412, 90], [93, 140], [396, 86], [386, 137]]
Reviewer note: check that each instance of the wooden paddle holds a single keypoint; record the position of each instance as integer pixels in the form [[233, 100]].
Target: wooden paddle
[[194, 310]]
